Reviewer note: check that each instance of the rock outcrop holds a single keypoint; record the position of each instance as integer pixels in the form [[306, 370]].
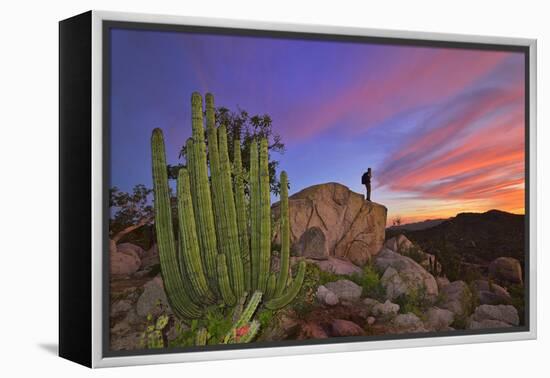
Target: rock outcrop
[[345, 290], [402, 276], [439, 319], [342, 328], [331, 220], [325, 296], [408, 323], [386, 309], [337, 266], [506, 269], [405, 247], [124, 263], [457, 298], [490, 293], [487, 316]]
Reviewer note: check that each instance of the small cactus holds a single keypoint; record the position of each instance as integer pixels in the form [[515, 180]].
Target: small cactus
[[152, 337]]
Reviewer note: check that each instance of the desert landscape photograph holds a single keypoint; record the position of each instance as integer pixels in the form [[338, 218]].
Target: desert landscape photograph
[[278, 190]]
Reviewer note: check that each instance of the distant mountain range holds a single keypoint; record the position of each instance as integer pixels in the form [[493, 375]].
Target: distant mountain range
[[417, 225], [477, 237]]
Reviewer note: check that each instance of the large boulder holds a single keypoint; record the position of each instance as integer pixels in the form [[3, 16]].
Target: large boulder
[[311, 330], [404, 246], [457, 297], [403, 276], [123, 263], [341, 328], [325, 296], [130, 248], [121, 307], [490, 293], [506, 269], [439, 319], [399, 244], [345, 290], [337, 266], [153, 300], [150, 257], [351, 228], [408, 323], [386, 309], [488, 316]]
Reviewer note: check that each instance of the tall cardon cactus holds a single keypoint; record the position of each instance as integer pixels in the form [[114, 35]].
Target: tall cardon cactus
[[222, 250]]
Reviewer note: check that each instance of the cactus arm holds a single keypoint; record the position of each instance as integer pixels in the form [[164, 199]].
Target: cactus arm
[[173, 281], [190, 246], [201, 337], [271, 286], [265, 218], [202, 200], [285, 237], [214, 159], [250, 309], [231, 233], [254, 218], [292, 290], [240, 206], [245, 317], [239, 307], [252, 332], [224, 282]]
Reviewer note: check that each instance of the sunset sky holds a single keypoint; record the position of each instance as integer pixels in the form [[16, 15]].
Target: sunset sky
[[442, 129]]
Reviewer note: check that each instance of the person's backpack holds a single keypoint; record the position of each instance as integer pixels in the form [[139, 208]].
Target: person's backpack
[[364, 178]]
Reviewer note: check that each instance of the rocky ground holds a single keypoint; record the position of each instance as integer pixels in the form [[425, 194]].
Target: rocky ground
[[405, 298], [357, 283], [393, 295]]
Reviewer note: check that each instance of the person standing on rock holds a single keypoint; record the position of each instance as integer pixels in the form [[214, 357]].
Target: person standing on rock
[[365, 180]]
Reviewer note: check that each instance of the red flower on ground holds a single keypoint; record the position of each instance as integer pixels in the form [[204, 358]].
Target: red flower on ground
[[241, 331]]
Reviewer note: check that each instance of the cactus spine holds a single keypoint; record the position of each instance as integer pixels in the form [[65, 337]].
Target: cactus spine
[[217, 256]]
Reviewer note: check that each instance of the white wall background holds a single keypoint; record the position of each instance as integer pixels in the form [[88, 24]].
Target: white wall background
[[28, 190]]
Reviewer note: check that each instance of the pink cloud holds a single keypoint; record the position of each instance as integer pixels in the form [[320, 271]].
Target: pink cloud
[[421, 77]]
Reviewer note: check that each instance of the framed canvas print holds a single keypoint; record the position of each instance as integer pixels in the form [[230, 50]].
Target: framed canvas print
[[234, 189]]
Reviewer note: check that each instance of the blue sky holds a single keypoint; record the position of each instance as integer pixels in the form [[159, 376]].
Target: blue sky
[[441, 128]]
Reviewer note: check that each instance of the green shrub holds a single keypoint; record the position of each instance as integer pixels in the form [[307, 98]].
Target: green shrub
[[369, 280], [185, 336], [416, 302], [217, 320], [414, 253], [460, 322], [517, 292], [265, 318], [304, 301]]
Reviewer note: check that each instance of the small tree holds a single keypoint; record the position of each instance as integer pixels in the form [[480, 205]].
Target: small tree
[[240, 125], [396, 221], [129, 212]]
